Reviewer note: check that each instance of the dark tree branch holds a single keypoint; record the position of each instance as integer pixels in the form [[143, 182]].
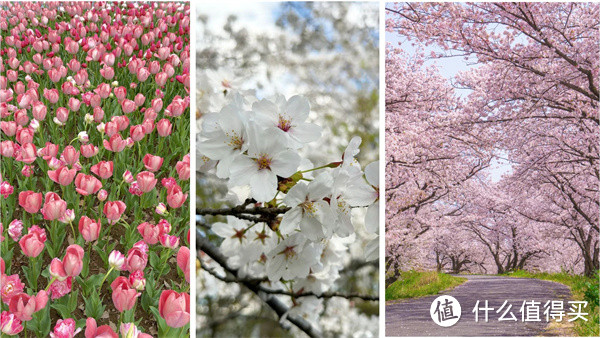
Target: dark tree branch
[[272, 301]]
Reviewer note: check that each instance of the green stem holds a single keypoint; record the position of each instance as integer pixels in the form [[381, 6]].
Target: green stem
[[51, 281], [73, 230], [313, 169], [103, 279]]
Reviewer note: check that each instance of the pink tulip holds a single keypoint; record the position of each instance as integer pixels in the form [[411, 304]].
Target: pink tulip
[[51, 95], [137, 280], [32, 244], [115, 143], [7, 148], [152, 163], [174, 308], [24, 135], [114, 210], [62, 115], [157, 104], [169, 241], [54, 206], [120, 93], [10, 286], [88, 150], [87, 184], [122, 121], [6, 189], [10, 324], [107, 72], [49, 151], [103, 90], [163, 127], [74, 104], [128, 106], [24, 306], [93, 331], [102, 195], [148, 125], [21, 117], [65, 328], [74, 65], [72, 47], [73, 260], [89, 228], [15, 229], [95, 101], [98, 114], [137, 132], [30, 201], [149, 232], [150, 114], [26, 171], [136, 259], [70, 155], [146, 181], [128, 177], [176, 197], [63, 175], [161, 79], [139, 99], [111, 128], [39, 111], [183, 261], [28, 153], [183, 169], [143, 74], [103, 169], [9, 127], [123, 295]]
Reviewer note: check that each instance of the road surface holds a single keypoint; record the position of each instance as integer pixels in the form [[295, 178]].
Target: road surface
[[411, 317]]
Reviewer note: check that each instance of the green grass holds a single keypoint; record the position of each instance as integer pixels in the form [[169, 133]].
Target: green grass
[[417, 284], [578, 285]]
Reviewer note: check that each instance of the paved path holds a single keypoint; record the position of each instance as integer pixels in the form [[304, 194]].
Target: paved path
[[412, 318]]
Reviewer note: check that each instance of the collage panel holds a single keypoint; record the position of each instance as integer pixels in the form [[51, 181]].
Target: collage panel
[[95, 169], [492, 204], [287, 169]]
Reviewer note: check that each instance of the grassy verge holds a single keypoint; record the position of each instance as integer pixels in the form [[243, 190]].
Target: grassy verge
[[578, 285], [417, 284]]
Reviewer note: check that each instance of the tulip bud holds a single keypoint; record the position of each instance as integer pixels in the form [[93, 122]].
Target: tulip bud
[[68, 216], [83, 137], [127, 177], [116, 260], [169, 241], [161, 209], [102, 195], [137, 280], [26, 171]]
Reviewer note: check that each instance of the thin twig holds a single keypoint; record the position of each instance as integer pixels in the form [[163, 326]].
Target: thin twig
[[272, 301]]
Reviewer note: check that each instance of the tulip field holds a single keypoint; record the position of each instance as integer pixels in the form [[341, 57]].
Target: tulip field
[[95, 168]]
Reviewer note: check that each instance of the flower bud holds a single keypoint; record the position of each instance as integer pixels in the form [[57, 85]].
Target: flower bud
[[137, 280], [83, 137], [127, 176], [102, 195], [161, 209], [116, 260]]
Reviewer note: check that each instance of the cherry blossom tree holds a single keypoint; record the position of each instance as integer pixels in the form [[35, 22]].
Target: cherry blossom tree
[[532, 83]]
